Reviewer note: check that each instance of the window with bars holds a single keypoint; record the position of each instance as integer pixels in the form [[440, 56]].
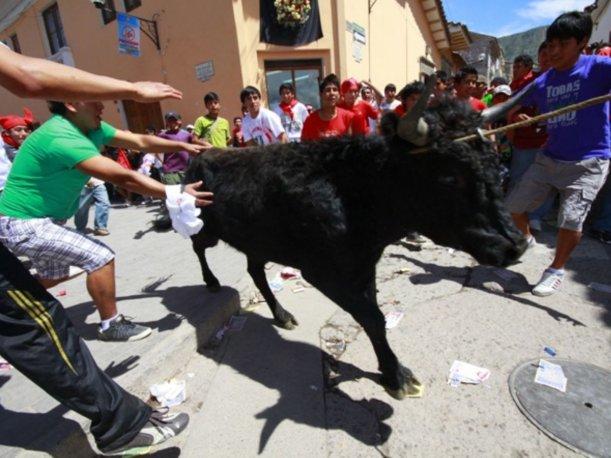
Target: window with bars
[[109, 13], [54, 28], [132, 4], [15, 43]]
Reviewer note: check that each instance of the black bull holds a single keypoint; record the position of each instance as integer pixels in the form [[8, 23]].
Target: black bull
[[329, 208]]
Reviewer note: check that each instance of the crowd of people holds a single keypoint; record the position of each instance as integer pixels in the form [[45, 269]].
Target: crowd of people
[[52, 172]]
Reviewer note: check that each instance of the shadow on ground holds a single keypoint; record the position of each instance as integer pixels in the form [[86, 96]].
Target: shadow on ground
[[478, 278], [261, 354]]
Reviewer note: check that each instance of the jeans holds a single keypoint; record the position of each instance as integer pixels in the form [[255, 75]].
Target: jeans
[[99, 196], [603, 219], [521, 160]]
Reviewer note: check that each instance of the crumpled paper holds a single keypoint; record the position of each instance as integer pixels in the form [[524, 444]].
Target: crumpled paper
[[183, 212], [170, 393]]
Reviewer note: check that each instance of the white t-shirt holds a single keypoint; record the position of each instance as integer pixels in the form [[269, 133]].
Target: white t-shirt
[[5, 165], [293, 126], [385, 106], [264, 129]]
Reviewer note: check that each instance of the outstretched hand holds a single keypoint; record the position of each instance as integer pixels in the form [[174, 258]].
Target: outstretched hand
[[148, 91], [194, 149], [202, 198]]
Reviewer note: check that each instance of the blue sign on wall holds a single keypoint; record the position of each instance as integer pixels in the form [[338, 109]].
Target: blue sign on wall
[[129, 34]]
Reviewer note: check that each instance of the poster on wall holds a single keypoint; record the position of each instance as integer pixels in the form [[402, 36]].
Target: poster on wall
[[128, 28], [289, 22]]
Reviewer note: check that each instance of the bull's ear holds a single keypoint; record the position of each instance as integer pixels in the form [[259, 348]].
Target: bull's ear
[[412, 126], [489, 115]]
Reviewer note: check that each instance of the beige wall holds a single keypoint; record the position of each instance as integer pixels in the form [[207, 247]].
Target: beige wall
[[253, 54], [226, 32]]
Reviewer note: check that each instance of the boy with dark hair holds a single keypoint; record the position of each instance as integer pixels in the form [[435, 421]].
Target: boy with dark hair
[[292, 112], [330, 120], [575, 159], [211, 127], [237, 138], [260, 126], [389, 103], [43, 190], [465, 82], [409, 95], [441, 84]]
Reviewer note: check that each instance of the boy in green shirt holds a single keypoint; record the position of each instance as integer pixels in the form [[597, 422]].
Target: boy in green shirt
[[212, 127], [43, 189]]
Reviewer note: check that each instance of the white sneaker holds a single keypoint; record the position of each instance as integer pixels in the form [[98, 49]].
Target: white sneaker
[[550, 283], [535, 225]]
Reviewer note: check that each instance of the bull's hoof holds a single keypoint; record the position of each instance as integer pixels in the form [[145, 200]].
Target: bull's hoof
[[412, 388], [287, 322]]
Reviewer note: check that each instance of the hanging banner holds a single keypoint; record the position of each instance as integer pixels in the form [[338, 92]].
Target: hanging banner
[[129, 34], [289, 22]]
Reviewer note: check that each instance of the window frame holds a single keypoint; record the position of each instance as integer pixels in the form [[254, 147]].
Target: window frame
[[109, 12], [131, 4], [15, 45], [52, 14]]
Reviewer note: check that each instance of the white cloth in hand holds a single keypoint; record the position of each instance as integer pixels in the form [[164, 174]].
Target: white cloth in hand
[[183, 212]]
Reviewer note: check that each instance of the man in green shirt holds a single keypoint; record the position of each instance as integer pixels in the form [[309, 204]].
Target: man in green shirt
[[43, 190], [212, 127]]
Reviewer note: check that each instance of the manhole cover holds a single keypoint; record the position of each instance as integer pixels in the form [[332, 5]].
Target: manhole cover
[[580, 419]]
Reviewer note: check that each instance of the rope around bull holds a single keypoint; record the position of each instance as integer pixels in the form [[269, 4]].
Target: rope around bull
[[526, 122]]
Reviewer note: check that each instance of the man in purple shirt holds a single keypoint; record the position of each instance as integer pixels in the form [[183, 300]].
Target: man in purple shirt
[[175, 164], [575, 159]]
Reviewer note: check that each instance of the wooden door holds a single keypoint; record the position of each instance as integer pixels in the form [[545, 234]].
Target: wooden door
[[142, 115]]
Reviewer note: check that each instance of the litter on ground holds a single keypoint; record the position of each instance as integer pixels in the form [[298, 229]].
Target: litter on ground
[[392, 319], [276, 284], [170, 393], [552, 375], [462, 372], [288, 273]]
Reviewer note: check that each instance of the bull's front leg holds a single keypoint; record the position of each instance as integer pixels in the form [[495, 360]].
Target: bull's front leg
[[359, 299], [200, 242], [283, 318]]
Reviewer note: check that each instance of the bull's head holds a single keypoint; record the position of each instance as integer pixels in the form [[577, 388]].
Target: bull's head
[[459, 202]]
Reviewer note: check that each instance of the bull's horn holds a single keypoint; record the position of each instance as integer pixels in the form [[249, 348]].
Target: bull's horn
[[489, 115], [412, 126]]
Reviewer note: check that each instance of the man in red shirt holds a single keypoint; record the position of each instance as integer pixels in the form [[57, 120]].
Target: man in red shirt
[[527, 141], [330, 120], [465, 84], [408, 96], [363, 111]]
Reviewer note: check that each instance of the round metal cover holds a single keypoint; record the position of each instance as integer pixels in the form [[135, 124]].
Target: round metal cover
[[579, 419]]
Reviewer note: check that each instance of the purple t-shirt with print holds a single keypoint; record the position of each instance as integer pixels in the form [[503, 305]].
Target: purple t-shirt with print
[[582, 134], [176, 162]]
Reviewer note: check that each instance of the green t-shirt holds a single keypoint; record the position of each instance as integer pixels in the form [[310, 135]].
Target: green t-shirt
[[44, 181], [214, 131]]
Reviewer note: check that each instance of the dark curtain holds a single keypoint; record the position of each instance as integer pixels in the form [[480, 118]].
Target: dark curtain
[[274, 33]]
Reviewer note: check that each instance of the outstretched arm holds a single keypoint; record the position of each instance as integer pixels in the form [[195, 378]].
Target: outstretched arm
[[108, 170], [43, 79], [152, 144]]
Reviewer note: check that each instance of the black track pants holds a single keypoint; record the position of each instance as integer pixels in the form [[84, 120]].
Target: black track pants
[[37, 338]]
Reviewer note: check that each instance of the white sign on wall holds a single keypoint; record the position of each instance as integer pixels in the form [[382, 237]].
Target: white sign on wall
[[204, 71]]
